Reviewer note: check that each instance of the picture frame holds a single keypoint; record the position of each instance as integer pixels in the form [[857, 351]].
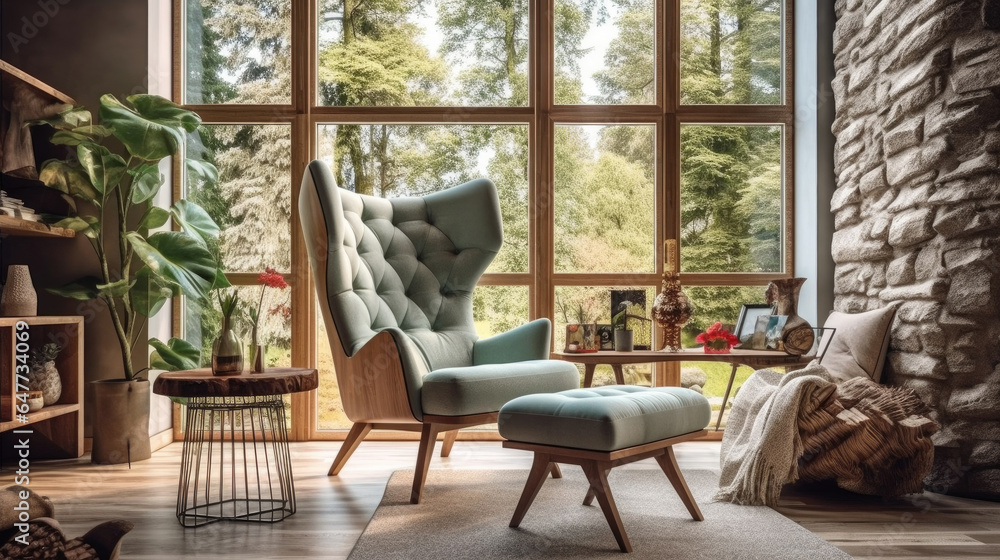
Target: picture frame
[[747, 322], [605, 337], [772, 338]]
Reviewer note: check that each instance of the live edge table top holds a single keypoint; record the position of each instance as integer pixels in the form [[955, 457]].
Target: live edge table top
[[201, 383], [753, 358]]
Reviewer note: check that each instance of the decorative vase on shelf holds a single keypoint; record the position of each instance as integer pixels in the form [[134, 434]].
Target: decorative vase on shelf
[[797, 336], [623, 340], [45, 378], [19, 298], [671, 308], [227, 352]]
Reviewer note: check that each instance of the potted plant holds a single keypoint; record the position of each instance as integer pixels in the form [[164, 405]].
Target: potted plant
[[623, 334], [43, 375], [140, 270]]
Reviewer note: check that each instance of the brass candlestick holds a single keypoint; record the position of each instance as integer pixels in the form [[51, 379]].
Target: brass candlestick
[[672, 308]]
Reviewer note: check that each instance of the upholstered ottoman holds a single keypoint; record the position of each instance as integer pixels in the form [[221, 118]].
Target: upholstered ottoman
[[603, 428]]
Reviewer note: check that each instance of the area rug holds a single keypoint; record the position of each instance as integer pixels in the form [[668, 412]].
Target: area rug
[[464, 514]]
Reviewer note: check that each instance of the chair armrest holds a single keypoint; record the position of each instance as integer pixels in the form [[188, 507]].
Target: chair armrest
[[527, 342]]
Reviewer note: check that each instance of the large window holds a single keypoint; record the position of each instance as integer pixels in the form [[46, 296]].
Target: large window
[[609, 126]]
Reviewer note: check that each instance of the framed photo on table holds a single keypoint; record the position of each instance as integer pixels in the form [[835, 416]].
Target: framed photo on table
[[747, 323]]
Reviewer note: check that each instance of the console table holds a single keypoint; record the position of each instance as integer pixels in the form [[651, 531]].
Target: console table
[[235, 464], [756, 359]]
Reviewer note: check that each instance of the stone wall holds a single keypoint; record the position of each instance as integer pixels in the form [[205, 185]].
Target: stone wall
[[917, 210]]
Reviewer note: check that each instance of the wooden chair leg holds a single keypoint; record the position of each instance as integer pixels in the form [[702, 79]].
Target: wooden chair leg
[[555, 470], [536, 478], [598, 477], [354, 437], [428, 437], [668, 462], [589, 498], [588, 374], [449, 441], [729, 387]]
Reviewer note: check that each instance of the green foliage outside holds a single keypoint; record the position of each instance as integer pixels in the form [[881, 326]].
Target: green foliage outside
[[475, 53]]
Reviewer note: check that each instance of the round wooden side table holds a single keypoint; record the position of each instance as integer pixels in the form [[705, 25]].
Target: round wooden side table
[[235, 463]]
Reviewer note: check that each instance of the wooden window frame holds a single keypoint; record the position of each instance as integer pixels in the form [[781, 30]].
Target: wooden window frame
[[304, 115]]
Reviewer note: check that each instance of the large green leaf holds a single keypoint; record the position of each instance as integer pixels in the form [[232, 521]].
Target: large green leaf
[[86, 225], [150, 292], [151, 140], [155, 217], [178, 258], [84, 289], [68, 179], [79, 135], [115, 289], [69, 118], [176, 354], [195, 220], [104, 168], [146, 182], [221, 282], [203, 172], [164, 111]]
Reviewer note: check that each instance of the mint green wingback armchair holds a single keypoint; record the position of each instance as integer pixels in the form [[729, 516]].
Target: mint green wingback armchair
[[395, 280]]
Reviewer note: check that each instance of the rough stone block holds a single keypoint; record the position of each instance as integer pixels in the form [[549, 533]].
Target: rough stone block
[[912, 76], [905, 338], [909, 104], [901, 271], [873, 182], [972, 77], [847, 281], [852, 244], [971, 292], [908, 134], [862, 75], [975, 188], [911, 197], [933, 340], [847, 194], [875, 207], [961, 362], [970, 45], [917, 365], [985, 163], [932, 290], [968, 254], [985, 454], [851, 304], [847, 27], [929, 263], [847, 216], [880, 228], [911, 228], [966, 340], [919, 311], [919, 41], [966, 220], [981, 401]]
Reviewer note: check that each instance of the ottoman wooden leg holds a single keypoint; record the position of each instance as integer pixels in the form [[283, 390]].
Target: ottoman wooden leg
[[556, 472], [589, 498], [668, 463], [536, 478], [598, 476]]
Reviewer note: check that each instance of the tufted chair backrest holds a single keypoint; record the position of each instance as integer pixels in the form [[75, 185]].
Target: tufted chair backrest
[[406, 265]]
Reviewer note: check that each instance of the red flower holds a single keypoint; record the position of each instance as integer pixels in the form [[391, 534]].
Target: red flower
[[272, 279], [717, 337]]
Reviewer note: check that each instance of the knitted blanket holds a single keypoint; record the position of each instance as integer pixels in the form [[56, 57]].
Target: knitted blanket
[[761, 445], [871, 439]]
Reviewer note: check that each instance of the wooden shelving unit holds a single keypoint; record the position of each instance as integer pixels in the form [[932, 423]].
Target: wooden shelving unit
[[57, 430], [25, 228], [12, 76]]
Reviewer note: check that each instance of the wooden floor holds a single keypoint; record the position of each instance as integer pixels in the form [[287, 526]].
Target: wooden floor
[[333, 511]]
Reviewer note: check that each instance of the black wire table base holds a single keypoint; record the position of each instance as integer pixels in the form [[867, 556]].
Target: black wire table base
[[236, 463]]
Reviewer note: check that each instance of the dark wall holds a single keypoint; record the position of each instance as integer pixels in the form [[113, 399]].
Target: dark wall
[[84, 48]]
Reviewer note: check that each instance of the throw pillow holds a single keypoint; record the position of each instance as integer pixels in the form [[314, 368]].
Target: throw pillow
[[859, 345]]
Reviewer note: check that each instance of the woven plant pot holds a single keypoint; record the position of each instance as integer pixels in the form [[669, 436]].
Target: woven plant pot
[[121, 421]]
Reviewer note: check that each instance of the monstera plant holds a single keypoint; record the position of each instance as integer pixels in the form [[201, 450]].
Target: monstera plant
[[146, 268], [140, 267]]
